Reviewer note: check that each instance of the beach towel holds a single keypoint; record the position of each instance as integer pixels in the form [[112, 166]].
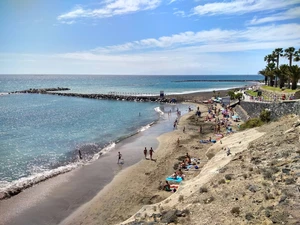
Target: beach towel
[[176, 186], [207, 141], [177, 180], [189, 166]]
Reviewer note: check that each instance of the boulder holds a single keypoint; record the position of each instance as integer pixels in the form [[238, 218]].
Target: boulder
[[169, 216]]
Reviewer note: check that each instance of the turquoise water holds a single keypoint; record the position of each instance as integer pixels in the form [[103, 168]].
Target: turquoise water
[[43, 133]]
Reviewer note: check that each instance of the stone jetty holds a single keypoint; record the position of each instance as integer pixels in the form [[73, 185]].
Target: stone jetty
[[41, 91], [53, 91]]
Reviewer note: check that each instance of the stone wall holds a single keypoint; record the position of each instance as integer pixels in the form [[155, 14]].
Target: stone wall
[[253, 109], [241, 112]]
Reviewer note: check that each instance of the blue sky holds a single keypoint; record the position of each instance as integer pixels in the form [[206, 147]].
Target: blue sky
[[144, 36]]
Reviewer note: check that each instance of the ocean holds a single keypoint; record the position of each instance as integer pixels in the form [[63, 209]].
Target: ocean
[[40, 135]]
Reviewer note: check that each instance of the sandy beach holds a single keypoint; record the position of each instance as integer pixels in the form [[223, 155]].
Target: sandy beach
[[129, 190]]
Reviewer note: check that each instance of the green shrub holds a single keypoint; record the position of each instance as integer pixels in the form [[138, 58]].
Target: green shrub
[[265, 115], [238, 96], [254, 122], [231, 94]]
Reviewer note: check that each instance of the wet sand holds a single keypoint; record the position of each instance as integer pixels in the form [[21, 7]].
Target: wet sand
[[55, 199]]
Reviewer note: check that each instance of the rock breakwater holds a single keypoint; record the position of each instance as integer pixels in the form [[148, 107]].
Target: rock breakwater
[[52, 91], [41, 90]]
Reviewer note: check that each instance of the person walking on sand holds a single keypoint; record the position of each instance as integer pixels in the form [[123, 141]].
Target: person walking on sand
[[79, 154], [151, 152], [145, 152], [119, 157]]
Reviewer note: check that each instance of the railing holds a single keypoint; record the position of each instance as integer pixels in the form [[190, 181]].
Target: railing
[[116, 93]]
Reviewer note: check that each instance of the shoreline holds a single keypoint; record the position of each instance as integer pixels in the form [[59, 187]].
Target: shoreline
[[93, 177], [17, 186], [204, 95]]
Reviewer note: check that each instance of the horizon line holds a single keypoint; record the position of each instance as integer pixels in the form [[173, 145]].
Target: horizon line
[[67, 74]]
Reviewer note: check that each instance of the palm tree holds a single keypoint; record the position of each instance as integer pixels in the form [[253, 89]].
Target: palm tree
[[270, 72], [289, 54], [283, 73], [264, 73], [295, 75], [277, 53], [297, 56], [269, 58]]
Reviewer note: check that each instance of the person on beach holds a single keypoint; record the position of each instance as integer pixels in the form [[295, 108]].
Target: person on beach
[[188, 158], [180, 174], [174, 175], [151, 152], [79, 154], [178, 141], [167, 186], [145, 152], [119, 157], [184, 129], [201, 129], [183, 164], [228, 152]]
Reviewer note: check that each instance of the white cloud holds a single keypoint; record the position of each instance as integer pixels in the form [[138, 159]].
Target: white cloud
[[214, 39], [111, 8], [289, 14], [213, 51], [242, 6], [171, 1], [204, 52], [179, 13], [68, 22]]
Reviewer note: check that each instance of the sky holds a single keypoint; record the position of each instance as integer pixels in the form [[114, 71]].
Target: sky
[[152, 37]]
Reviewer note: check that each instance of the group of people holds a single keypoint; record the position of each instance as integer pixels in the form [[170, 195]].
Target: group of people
[[184, 165], [177, 174], [151, 151]]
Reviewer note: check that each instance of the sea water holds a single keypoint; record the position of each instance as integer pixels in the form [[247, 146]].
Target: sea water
[[41, 134]]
